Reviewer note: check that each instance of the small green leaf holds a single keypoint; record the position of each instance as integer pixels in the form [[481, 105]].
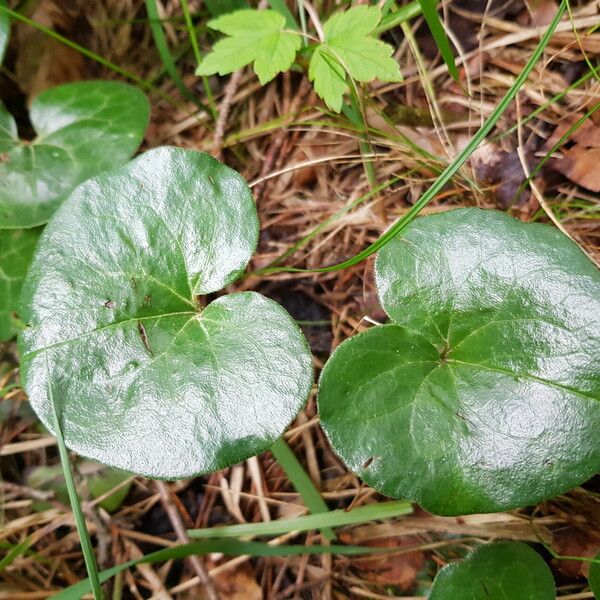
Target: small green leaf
[[146, 378], [496, 572], [255, 36], [347, 48], [483, 394], [429, 9], [82, 129], [594, 577], [16, 249], [328, 77], [4, 30]]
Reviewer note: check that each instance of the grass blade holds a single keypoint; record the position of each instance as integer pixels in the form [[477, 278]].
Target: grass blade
[[450, 170], [301, 481], [228, 547], [333, 518], [84, 536], [429, 9], [160, 42]]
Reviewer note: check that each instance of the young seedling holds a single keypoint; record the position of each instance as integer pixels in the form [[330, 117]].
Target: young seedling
[[82, 128], [147, 374], [496, 572], [482, 394], [262, 38]]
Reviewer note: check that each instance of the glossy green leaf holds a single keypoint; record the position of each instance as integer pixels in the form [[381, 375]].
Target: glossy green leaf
[[349, 48], [483, 394], [4, 30], [594, 576], [254, 36], [16, 249], [146, 378], [82, 129], [502, 571]]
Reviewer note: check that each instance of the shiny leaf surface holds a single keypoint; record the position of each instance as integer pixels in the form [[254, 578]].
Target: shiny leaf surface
[[496, 572], [4, 30], [82, 129], [146, 378], [16, 249], [482, 395]]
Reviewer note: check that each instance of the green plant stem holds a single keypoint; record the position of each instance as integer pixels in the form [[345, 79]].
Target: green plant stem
[[160, 42], [302, 15], [198, 56], [450, 170], [333, 518], [302, 482], [228, 547], [84, 536]]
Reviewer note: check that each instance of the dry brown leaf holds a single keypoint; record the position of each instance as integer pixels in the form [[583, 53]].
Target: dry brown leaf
[[42, 62], [238, 584], [588, 134], [581, 166], [574, 542], [541, 11], [503, 170], [400, 570]]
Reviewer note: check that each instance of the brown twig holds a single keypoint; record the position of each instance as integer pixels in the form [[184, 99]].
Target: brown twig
[[177, 522]]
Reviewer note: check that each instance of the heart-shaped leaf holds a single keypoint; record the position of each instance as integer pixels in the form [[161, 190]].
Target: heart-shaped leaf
[[16, 250], [147, 379], [483, 395], [496, 572], [82, 129]]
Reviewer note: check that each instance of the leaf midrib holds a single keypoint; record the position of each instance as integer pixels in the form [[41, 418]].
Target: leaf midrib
[[33, 353]]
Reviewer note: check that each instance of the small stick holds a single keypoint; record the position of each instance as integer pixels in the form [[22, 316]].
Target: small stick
[[177, 522]]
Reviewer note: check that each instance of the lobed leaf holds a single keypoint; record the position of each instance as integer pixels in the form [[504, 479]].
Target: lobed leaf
[[147, 379], [483, 393], [82, 129], [255, 36], [347, 48]]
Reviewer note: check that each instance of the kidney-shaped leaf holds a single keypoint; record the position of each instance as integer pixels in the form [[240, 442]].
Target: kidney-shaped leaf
[[496, 572], [483, 395], [16, 250], [145, 378], [82, 129]]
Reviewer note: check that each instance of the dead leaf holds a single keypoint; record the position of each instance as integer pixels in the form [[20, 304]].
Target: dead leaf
[[580, 165], [503, 170], [42, 62], [400, 570], [574, 542], [588, 134], [541, 11], [238, 584]]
